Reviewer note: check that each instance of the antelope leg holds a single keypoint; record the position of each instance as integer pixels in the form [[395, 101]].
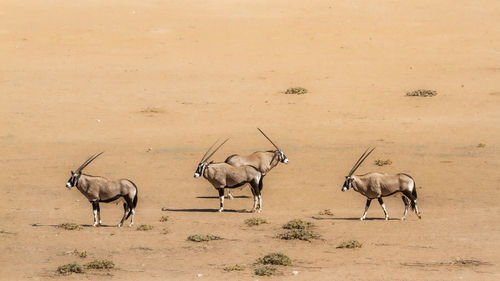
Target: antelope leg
[[368, 202], [383, 207]]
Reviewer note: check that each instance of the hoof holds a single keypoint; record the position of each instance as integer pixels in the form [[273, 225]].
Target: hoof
[[259, 211], [386, 218], [130, 225], [119, 225], [403, 218], [220, 210], [361, 219], [230, 196]]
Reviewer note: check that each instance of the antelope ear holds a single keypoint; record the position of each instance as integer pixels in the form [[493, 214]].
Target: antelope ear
[[72, 172]]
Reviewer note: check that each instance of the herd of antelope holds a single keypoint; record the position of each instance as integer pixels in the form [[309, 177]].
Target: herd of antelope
[[237, 171]]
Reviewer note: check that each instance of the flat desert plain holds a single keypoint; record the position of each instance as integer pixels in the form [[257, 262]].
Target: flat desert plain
[[155, 83]]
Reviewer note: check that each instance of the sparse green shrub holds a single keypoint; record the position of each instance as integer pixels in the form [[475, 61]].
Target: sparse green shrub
[[255, 221], [69, 226], [296, 91], [234, 267], [71, 268], [421, 93], [299, 234], [326, 212], [351, 244], [164, 219], [297, 224], [265, 270], [380, 162], [82, 254], [481, 145], [203, 237], [275, 259], [144, 227], [100, 264]]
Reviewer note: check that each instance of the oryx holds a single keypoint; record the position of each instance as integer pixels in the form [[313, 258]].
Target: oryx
[[377, 185], [99, 189], [264, 161], [223, 175]]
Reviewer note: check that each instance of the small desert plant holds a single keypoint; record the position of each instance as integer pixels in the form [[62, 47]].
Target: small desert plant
[[82, 255], [164, 219], [234, 267], [275, 259], [380, 162], [100, 264], [255, 221], [421, 93], [296, 91], [165, 231], [297, 224], [481, 145], [150, 109], [351, 244], [265, 270], [326, 212], [203, 237], [71, 268], [69, 226], [144, 227], [299, 234]]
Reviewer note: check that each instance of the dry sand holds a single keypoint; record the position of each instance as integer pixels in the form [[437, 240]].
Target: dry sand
[[79, 77]]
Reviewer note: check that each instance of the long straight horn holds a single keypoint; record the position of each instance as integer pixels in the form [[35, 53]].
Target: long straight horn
[[360, 161], [208, 157], [208, 150], [355, 164], [88, 162], [268, 138]]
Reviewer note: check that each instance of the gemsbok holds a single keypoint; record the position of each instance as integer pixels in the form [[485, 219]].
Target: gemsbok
[[377, 185], [99, 189], [264, 161], [223, 175]]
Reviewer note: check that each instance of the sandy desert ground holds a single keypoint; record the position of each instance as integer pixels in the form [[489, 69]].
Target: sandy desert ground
[[79, 77]]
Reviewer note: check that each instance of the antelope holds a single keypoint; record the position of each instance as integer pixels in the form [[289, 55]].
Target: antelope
[[377, 185], [223, 175], [99, 189], [264, 161]]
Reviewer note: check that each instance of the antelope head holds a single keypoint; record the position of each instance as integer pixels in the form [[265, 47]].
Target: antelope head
[[281, 156], [349, 179], [76, 175], [204, 160]]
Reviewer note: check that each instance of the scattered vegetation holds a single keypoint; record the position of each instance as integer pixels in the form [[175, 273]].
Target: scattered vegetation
[[298, 224], [164, 219], [481, 145], [351, 244], [69, 226], [164, 231], [144, 227], [203, 237], [296, 91], [380, 162], [299, 234], [275, 259], [326, 212], [82, 254], [455, 262], [235, 267], [150, 109], [71, 268], [255, 221], [265, 270], [100, 264], [421, 93]]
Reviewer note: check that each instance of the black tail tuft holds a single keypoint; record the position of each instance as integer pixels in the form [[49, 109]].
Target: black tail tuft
[[414, 193], [136, 198]]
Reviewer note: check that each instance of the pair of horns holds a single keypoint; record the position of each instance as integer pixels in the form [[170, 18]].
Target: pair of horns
[[88, 162], [268, 139], [203, 159], [360, 161]]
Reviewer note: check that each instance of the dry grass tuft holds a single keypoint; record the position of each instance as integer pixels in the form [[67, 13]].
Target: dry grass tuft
[[82, 255], [69, 226], [234, 267], [71, 268], [144, 227], [380, 162], [298, 224], [275, 259], [265, 270], [481, 145], [351, 244], [255, 221], [164, 219], [100, 264], [296, 91], [203, 237], [153, 109], [421, 93], [326, 212], [299, 234]]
